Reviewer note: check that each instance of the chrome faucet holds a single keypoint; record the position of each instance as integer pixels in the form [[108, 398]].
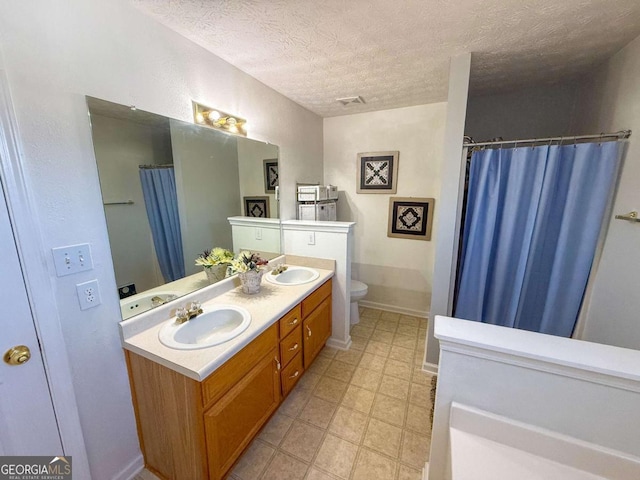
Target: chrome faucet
[[185, 314]]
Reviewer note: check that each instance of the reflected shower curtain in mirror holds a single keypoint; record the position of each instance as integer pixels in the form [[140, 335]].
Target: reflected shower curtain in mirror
[[159, 190], [533, 219]]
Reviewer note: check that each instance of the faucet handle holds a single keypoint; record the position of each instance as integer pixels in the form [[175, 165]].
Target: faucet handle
[[195, 306], [181, 315]]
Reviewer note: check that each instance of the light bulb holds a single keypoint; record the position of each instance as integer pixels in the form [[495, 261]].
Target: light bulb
[[214, 115], [199, 117]]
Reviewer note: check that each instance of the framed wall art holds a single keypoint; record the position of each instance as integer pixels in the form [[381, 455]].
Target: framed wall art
[[410, 217], [270, 168], [377, 172], [256, 207]]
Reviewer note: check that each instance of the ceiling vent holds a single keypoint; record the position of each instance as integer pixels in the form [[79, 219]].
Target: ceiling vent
[[349, 100]]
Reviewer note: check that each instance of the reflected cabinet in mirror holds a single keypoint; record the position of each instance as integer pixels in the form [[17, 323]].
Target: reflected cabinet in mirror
[[169, 188]]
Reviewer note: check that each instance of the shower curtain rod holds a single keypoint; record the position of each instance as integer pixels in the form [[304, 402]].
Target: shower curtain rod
[[621, 135]]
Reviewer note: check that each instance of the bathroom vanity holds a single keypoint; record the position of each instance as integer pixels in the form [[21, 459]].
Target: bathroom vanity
[[197, 410]]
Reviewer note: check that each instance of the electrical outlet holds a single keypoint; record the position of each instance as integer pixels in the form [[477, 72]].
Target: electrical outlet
[[72, 259], [88, 294], [258, 233], [311, 238]]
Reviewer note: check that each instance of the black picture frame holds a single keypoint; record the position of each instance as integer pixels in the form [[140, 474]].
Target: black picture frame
[[256, 207], [378, 172], [410, 217], [271, 175]]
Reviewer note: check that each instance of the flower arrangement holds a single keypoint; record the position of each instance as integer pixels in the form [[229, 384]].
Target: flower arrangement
[[217, 256], [247, 261]]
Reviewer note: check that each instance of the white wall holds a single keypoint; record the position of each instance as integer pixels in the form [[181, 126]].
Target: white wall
[[538, 112], [398, 271], [120, 147], [54, 54], [251, 156], [610, 101]]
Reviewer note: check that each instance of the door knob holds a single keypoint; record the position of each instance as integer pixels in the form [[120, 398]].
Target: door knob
[[17, 355]]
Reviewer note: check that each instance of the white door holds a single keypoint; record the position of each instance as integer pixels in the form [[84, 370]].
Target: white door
[[27, 420]]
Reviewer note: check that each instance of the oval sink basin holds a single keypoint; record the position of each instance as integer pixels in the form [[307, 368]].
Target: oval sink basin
[[294, 276], [217, 324], [142, 302]]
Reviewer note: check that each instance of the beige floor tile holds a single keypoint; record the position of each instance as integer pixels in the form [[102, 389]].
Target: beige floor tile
[[328, 352], [359, 343], [295, 402], [389, 409], [418, 358], [302, 441], [408, 473], [415, 449], [361, 331], [352, 357], [387, 326], [371, 313], [409, 320], [330, 389], [308, 381], [367, 379], [402, 354], [372, 362], [340, 371], [420, 394], [418, 419], [320, 365], [422, 333], [336, 456], [358, 399], [404, 329], [275, 430], [383, 437], [420, 376], [284, 467], [378, 348], [398, 369], [382, 336], [368, 321], [318, 412], [371, 465], [145, 475], [349, 424], [405, 341], [394, 387], [253, 461], [315, 474], [392, 316]]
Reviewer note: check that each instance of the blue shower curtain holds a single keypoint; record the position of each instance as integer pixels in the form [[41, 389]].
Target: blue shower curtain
[[532, 223], [159, 190]]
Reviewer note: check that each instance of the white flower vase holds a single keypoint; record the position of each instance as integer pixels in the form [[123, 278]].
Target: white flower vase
[[216, 273], [251, 281]]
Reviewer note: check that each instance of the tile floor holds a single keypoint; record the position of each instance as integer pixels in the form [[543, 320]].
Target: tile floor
[[361, 414]]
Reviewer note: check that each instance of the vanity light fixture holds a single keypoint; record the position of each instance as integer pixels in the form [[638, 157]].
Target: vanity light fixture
[[211, 117]]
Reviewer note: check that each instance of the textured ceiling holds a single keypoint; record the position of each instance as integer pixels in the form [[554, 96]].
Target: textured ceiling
[[396, 53]]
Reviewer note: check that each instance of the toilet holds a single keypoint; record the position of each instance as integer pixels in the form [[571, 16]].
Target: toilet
[[358, 292]]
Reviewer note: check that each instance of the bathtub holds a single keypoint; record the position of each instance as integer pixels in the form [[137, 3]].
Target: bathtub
[[485, 446]]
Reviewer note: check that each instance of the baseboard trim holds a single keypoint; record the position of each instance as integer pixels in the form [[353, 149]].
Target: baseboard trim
[[339, 344], [130, 471], [394, 308], [430, 367]]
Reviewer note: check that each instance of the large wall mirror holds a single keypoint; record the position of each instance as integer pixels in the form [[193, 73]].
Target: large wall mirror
[[168, 189]]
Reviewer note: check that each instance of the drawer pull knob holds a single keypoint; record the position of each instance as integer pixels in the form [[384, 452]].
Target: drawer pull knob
[[277, 363], [295, 347], [295, 374], [294, 321], [308, 331]]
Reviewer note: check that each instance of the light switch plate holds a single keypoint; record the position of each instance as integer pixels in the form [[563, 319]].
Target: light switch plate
[[72, 259], [258, 233], [311, 238]]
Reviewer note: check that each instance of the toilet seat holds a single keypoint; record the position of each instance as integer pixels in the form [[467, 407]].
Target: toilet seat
[[358, 287]]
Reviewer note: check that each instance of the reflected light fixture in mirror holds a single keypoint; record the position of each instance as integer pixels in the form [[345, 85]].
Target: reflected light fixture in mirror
[[214, 118]]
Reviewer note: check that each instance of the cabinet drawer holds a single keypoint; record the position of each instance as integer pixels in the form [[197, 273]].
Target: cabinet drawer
[[291, 320], [312, 301], [291, 346], [291, 374], [234, 369]]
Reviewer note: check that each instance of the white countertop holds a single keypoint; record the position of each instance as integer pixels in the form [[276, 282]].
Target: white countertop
[[140, 334]]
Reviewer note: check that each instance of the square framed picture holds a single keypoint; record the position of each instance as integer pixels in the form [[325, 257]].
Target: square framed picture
[[256, 207], [270, 175], [410, 217], [377, 172]]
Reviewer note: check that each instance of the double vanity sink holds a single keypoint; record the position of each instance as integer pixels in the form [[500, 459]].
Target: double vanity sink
[[220, 323]]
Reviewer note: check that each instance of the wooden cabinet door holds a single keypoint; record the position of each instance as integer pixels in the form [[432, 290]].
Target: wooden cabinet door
[[233, 421], [316, 329]]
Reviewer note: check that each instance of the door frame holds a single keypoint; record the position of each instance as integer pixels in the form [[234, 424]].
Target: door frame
[[38, 283]]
